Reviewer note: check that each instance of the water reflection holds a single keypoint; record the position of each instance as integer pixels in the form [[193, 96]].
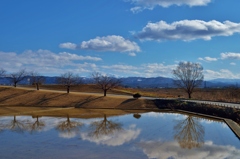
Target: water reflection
[[104, 127], [137, 116], [17, 125], [109, 132], [189, 132], [68, 128], [37, 125], [106, 135]]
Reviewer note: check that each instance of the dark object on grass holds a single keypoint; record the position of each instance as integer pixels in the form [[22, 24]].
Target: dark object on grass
[[137, 95]]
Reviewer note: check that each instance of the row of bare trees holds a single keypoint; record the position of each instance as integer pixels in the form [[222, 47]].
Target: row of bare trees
[[187, 76], [67, 79], [17, 77]]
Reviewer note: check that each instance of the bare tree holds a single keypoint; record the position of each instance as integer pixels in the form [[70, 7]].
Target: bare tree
[[188, 76], [36, 79], [69, 79], [2, 72], [105, 82], [18, 77]]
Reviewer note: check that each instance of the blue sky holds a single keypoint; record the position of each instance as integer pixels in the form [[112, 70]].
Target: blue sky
[[145, 38]]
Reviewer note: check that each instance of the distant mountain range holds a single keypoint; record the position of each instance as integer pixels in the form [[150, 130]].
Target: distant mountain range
[[140, 82]]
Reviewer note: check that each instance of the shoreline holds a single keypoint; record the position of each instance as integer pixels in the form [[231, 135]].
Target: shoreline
[[26, 98]]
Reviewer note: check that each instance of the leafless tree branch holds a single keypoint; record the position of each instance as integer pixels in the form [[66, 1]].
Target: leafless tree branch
[[105, 82], [188, 76]]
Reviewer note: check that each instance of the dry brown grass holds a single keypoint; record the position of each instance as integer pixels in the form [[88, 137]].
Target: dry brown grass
[[19, 100], [224, 95], [32, 98]]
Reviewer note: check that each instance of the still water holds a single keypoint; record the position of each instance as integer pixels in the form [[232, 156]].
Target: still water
[[130, 135]]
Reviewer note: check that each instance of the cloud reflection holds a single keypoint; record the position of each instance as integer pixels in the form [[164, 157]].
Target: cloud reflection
[[166, 150], [115, 139]]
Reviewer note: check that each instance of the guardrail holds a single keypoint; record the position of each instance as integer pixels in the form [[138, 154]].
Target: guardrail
[[223, 104], [231, 105]]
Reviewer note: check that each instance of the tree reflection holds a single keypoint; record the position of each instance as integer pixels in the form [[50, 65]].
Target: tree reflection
[[37, 125], [16, 126], [68, 126], [104, 127], [189, 133], [2, 127]]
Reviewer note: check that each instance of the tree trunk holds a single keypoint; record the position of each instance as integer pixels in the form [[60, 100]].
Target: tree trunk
[[68, 88], [37, 86], [105, 92], [15, 84], [189, 95]]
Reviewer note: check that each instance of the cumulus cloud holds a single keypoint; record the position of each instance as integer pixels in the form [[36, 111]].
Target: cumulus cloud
[[208, 59], [230, 55], [68, 45], [187, 30], [158, 149], [132, 54], [144, 70], [222, 73], [233, 63], [150, 4], [112, 43], [157, 69], [45, 61], [69, 56], [120, 67]]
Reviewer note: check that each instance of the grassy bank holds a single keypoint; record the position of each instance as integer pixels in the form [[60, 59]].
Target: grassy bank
[[10, 96]]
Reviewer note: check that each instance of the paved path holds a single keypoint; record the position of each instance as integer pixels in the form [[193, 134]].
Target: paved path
[[233, 105]]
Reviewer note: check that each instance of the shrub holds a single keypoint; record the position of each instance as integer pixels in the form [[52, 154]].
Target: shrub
[[136, 95]]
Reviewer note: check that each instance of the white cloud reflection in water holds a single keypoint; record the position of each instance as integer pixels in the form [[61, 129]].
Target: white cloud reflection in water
[[171, 149], [116, 139]]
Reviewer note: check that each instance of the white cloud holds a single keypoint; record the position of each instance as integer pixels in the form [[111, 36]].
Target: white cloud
[[112, 43], [158, 149], [150, 4], [208, 59], [132, 54], [47, 62], [68, 45], [223, 73], [69, 56], [233, 63], [187, 30], [157, 69], [230, 55], [120, 67], [144, 70]]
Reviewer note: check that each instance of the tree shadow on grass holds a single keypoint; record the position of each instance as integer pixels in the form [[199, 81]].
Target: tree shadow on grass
[[128, 101], [87, 100], [131, 104], [4, 89], [45, 99], [15, 95]]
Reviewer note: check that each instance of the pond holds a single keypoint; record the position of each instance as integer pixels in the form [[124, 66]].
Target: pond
[[115, 134]]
